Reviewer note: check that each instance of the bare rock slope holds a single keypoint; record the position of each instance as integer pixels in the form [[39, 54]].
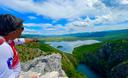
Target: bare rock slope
[[43, 67]]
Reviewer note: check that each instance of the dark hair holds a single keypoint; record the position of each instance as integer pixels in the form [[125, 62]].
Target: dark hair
[[9, 23]]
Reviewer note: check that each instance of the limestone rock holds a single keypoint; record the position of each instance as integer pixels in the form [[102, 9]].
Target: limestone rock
[[43, 67]]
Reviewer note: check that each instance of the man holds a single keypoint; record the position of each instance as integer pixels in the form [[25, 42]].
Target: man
[[10, 31]]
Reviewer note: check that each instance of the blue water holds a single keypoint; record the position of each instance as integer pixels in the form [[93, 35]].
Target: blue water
[[68, 46], [88, 72]]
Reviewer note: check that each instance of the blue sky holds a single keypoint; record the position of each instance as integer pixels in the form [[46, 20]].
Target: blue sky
[[55, 17]]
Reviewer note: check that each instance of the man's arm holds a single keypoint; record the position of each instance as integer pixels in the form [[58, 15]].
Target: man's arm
[[28, 40], [20, 41]]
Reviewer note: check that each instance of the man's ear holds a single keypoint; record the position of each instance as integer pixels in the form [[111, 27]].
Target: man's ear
[[14, 32]]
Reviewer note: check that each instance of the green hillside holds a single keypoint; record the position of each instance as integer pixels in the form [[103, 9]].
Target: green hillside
[[109, 59], [32, 50]]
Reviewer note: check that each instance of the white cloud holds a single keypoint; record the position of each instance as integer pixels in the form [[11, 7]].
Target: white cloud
[[81, 22], [31, 17], [125, 2], [57, 8], [114, 17], [31, 31], [72, 10], [36, 25], [50, 29], [70, 28]]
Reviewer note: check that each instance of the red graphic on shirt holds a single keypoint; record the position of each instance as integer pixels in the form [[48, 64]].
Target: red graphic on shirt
[[15, 55]]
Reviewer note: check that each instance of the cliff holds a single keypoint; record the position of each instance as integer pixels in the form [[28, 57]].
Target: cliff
[[48, 63], [44, 67], [109, 59]]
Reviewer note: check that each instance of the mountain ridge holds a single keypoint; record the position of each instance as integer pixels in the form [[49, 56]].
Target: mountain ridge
[[87, 34]]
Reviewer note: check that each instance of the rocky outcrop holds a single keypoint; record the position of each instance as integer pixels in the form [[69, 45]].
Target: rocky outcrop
[[44, 67]]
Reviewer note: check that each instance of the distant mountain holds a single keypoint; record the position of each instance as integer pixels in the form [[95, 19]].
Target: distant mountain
[[85, 34], [32, 36], [98, 34], [103, 35]]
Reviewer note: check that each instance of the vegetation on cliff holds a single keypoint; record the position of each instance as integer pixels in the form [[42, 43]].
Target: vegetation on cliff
[[32, 50], [109, 59]]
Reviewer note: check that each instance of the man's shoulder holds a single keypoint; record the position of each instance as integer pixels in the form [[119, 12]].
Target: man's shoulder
[[1, 40]]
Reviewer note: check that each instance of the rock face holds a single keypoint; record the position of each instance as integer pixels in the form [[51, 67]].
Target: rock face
[[44, 67]]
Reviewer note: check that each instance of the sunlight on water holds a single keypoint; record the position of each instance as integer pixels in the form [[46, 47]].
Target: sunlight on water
[[68, 46]]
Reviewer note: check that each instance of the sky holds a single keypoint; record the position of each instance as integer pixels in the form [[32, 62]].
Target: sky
[[57, 17]]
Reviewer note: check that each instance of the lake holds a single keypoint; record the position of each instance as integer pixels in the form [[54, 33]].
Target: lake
[[68, 46], [87, 71]]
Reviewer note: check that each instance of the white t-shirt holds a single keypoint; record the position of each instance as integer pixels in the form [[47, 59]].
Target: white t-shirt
[[6, 57]]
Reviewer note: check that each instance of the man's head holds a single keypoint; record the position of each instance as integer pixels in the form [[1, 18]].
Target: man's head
[[10, 26]]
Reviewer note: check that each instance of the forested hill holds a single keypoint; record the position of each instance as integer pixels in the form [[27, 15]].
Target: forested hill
[[109, 59]]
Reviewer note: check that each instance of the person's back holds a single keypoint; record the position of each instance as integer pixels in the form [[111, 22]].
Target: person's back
[[6, 56], [11, 29]]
